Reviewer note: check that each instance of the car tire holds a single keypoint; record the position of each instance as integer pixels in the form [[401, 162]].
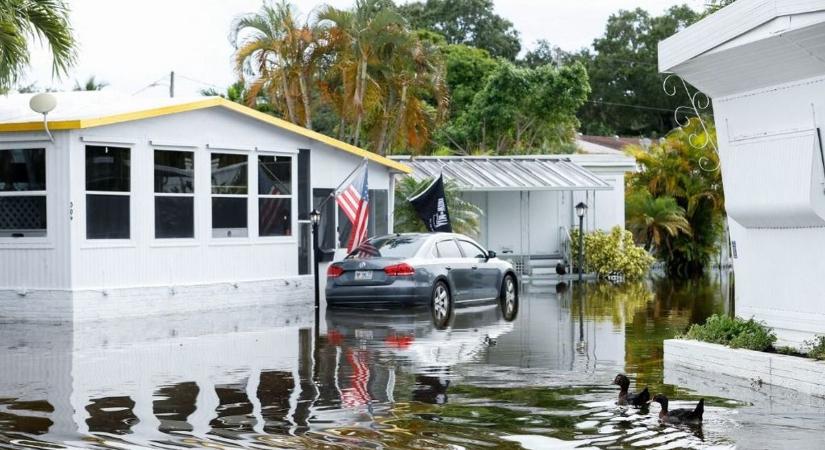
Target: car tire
[[509, 297], [441, 304]]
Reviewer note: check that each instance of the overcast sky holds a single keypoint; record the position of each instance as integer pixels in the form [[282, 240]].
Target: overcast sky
[[132, 43]]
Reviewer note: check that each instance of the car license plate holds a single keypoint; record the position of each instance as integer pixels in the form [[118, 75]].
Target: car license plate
[[363, 275], [363, 334]]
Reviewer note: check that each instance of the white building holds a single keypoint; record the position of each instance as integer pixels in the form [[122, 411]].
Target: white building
[[529, 201], [141, 205], [762, 63]]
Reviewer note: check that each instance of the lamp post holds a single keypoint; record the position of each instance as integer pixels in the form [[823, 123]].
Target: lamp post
[[581, 208], [315, 218]]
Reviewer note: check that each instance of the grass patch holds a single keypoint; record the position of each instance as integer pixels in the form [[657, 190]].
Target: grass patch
[[733, 332]]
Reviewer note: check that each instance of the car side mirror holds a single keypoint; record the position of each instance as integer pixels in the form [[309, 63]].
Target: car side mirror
[[491, 254]]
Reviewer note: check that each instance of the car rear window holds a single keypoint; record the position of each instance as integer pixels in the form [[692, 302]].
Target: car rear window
[[388, 247]]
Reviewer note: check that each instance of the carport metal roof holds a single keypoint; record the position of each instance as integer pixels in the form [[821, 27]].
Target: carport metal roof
[[506, 173]]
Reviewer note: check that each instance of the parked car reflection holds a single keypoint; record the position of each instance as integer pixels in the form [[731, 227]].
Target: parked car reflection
[[412, 339]]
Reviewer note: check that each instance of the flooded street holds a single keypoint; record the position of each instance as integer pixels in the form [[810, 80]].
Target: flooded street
[[386, 379]]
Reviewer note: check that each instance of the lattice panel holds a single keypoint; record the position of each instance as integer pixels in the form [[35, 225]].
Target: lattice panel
[[23, 213]]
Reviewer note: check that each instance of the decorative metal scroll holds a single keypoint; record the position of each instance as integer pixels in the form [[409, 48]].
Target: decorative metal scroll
[[699, 102]]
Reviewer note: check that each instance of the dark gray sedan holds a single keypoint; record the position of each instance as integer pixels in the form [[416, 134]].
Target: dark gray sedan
[[434, 269]]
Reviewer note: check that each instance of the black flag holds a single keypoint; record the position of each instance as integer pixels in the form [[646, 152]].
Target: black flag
[[431, 206]]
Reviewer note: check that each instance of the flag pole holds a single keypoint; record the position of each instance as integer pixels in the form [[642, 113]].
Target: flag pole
[[335, 191], [435, 180]]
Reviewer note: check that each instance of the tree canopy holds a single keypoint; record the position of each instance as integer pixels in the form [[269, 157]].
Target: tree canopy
[[467, 72], [522, 109], [469, 22], [359, 74], [627, 93], [44, 20], [438, 76]]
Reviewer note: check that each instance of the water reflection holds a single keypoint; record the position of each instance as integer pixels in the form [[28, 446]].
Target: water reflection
[[266, 378]]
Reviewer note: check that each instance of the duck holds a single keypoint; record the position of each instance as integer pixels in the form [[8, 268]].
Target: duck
[[638, 400], [684, 415]]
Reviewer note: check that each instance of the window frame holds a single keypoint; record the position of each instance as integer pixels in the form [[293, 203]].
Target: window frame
[[108, 242], [33, 144], [250, 174], [193, 195], [293, 187]]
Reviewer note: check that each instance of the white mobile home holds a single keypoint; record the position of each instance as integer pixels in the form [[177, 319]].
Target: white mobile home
[[152, 205], [529, 201], [761, 62]]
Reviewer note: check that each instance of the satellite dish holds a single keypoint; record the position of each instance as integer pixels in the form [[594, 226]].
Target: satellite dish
[[43, 103]]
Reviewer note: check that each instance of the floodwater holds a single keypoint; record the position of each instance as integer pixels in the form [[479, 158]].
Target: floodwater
[[265, 378]]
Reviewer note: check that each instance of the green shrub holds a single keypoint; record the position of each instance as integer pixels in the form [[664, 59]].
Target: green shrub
[[816, 347], [605, 253], [733, 332]]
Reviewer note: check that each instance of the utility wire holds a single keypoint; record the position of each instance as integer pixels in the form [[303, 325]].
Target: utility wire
[[626, 105], [198, 81], [152, 84]]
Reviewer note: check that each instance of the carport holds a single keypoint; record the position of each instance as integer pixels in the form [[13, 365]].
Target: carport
[[528, 201]]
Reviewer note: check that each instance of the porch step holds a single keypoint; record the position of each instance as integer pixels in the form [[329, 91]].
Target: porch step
[[544, 264], [544, 270]]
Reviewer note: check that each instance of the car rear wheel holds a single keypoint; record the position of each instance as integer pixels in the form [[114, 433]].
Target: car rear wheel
[[509, 297], [442, 304]]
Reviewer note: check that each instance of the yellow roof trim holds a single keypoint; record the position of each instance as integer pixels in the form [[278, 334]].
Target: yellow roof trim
[[201, 104]]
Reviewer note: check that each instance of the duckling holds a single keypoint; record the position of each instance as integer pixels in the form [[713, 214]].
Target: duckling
[[687, 416], [638, 400]]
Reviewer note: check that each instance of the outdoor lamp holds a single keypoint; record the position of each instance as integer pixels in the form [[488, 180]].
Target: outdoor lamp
[[581, 208], [315, 218]]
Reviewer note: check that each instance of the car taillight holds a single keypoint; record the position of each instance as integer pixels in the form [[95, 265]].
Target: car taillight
[[399, 270], [334, 271]]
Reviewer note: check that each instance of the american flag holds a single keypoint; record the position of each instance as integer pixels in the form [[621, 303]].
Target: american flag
[[358, 393], [354, 200], [368, 250]]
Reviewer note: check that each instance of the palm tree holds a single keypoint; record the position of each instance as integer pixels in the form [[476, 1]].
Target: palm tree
[[237, 92], [21, 20], [282, 55], [357, 36], [90, 84], [464, 216], [414, 72], [652, 218]]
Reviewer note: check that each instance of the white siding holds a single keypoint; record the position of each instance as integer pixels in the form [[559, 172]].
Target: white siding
[[505, 222], [144, 261], [67, 260], [529, 222], [544, 220], [779, 246], [43, 263], [772, 169]]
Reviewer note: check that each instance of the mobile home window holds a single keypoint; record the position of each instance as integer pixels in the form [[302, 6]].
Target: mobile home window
[[274, 195], [108, 186], [229, 195], [174, 194], [23, 192]]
